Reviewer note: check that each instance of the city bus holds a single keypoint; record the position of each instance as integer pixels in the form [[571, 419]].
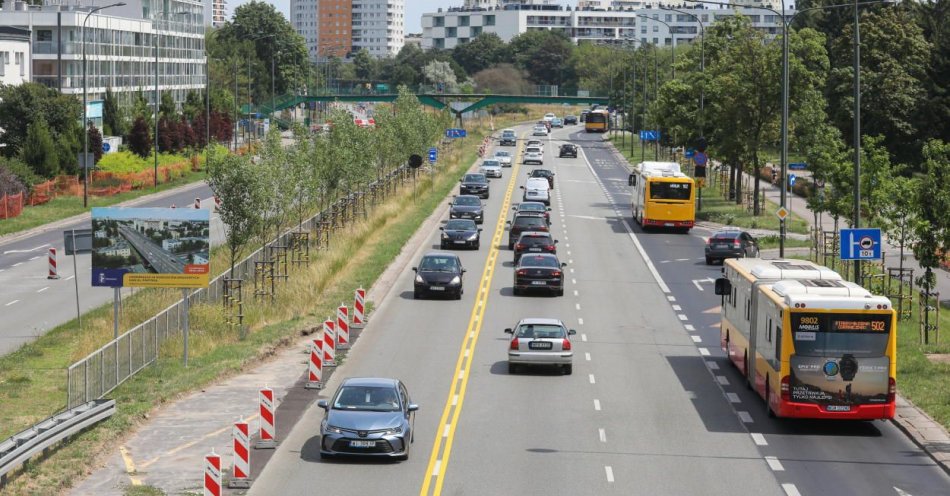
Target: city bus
[[662, 196], [811, 344], [596, 121]]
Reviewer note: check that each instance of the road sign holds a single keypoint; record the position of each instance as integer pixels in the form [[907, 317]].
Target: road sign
[[700, 159], [455, 133], [433, 154], [797, 166], [860, 244], [689, 153], [781, 213], [649, 135], [87, 160], [106, 147], [791, 180]]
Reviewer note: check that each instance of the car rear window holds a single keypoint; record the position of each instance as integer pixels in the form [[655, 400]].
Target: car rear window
[[490, 163], [538, 261], [726, 235], [535, 240], [529, 221], [536, 331], [531, 207]]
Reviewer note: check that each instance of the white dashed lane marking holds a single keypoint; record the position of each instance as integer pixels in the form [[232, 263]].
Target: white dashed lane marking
[[774, 464], [610, 473], [791, 490], [712, 365], [733, 398], [721, 379], [759, 439], [689, 327], [602, 434], [590, 377], [704, 352], [597, 405], [697, 339], [745, 417]]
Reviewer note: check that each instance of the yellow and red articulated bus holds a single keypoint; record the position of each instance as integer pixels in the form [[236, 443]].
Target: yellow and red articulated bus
[[596, 121], [811, 344], [662, 196]]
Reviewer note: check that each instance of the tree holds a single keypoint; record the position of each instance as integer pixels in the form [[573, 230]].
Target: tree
[[167, 108], [934, 119], [898, 216], [193, 105], [543, 53], [933, 199], [188, 135], [483, 52], [21, 104], [113, 119], [235, 183], [141, 108], [503, 79], [140, 138], [38, 150], [95, 142], [364, 65], [440, 73]]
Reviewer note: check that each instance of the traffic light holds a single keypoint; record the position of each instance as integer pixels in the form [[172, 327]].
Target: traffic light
[[848, 366], [701, 144]]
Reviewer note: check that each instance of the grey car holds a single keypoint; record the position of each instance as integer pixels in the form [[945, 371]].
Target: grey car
[[460, 233], [368, 416], [467, 207], [537, 341]]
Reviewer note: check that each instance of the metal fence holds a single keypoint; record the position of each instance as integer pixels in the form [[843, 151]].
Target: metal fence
[[104, 369]]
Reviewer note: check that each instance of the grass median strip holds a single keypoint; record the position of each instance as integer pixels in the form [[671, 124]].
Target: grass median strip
[[33, 379]]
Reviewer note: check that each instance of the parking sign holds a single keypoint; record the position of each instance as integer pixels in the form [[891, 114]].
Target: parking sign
[[860, 244]]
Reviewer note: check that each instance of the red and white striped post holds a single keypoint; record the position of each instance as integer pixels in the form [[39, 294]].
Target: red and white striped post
[[342, 327], [241, 468], [359, 300], [52, 265], [329, 344], [268, 412], [212, 484], [197, 203], [315, 367]]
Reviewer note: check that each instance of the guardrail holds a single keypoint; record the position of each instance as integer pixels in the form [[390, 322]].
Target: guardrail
[[20, 447]]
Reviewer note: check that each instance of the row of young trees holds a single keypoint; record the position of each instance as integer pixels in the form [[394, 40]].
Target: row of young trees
[[265, 194]]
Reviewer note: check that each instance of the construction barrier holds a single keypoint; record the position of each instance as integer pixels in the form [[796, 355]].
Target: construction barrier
[[342, 327], [315, 367], [268, 412], [11, 206], [197, 203], [52, 265], [212, 484], [329, 344], [359, 300], [241, 470]]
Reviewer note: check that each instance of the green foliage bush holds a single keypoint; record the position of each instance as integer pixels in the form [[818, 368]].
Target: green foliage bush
[[123, 162], [22, 171]]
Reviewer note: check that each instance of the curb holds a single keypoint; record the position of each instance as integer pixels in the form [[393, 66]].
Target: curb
[[926, 433]]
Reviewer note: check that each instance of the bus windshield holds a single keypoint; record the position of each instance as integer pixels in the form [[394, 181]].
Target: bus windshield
[[669, 191], [835, 334], [596, 117]]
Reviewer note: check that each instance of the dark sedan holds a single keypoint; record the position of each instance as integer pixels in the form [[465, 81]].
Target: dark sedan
[[534, 242], [460, 233], [522, 223], [539, 271], [567, 150], [533, 208], [438, 274], [730, 244], [474, 184], [570, 119], [368, 417], [545, 174], [467, 207]]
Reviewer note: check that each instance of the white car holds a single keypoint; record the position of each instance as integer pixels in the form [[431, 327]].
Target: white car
[[540, 342], [533, 155], [491, 168], [503, 158], [539, 131], [537, 143], [537, 189], [549, 117]]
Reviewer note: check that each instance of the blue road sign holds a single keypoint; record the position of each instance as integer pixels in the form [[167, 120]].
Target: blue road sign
[[860, 244], [791, 179], [689, 153], [433, 154], [700, 159], [797, 166], [455, 133], [106, 147], [649, 135]]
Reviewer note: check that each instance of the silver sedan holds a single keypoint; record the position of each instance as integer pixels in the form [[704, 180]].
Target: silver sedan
[[538, 341]]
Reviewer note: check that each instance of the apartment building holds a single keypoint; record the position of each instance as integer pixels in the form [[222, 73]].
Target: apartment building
[[216, 12], [339, 28], [14, 55]]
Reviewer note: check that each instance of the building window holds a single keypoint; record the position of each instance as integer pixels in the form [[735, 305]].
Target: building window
[[451, 32], [438, 22], [463, 20], [488, 20]]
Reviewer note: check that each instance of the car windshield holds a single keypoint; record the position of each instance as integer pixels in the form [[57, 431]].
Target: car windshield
[[531, 207], [535, 240], [540, 331], [490, 163], [475, 178], [460, 225], [529, 221], [467, 201], [538, 261], [439, 264], [367, 398], [502, 154]]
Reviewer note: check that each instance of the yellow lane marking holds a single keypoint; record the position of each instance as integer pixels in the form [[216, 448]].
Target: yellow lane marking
[[129, 466], [442, 446], [194, 442]]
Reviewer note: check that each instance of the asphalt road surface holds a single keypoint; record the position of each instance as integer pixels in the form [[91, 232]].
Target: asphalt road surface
[[162, 261]]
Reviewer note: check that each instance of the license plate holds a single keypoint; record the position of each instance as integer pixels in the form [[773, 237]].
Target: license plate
[[720, 246], [459, 242], [539, 345], [839, 408], [537, 248], [436, 288], [539, 283], [363, 444], [669, 224]]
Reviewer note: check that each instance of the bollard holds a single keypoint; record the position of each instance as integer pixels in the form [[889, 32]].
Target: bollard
[[241, 469], [52, 265], [315, 367], [268, 430], [329, 344], [359, 318], [212, 484], [342, 327]]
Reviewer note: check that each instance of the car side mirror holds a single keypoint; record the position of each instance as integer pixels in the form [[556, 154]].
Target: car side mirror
[[632, 180], [571, 332], [723, 286], [555, 241], [412, 407], [563, 264], [479, 229], [508, 331], [547, 209], [415, 269], [441, 228], [522, 187], [323, 404]]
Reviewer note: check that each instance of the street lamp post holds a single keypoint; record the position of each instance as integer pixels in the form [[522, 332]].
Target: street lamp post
[[702, 66], [85, 118], [250, 135]]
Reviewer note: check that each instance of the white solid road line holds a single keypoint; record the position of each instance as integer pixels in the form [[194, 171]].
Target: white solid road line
[[596, 405], [26, 251], [790, 490], [17, 264], [590, 377], [68, 278], [745, 417], [34, 258], [774, 464], [12, 302], [610, 473], [759, 439]]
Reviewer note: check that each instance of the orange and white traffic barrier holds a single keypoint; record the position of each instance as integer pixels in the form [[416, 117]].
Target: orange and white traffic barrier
[[315, 367], [52, 265], [342, 327], [212, 483], [329, 344], [197, 203], [241, 468], [359, 308], [268, 430]]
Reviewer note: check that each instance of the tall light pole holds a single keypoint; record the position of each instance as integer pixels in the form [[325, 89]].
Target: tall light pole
[[157, 46], [672, 41], [702, 66], [85, 118]]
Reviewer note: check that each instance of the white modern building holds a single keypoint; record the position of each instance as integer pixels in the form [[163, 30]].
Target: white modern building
[[120, 45], [216, 12], [303, 17], [379, 26], [14, 55]]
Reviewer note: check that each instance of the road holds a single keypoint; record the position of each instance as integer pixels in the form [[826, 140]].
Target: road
[[641, 414], [161, 261], [30, 303]]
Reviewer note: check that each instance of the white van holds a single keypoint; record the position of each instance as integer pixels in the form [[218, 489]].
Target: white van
[[537, 189]]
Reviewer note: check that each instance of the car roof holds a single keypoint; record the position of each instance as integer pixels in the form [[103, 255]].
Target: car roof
[[440, 254], [540, 320], [370, 381]]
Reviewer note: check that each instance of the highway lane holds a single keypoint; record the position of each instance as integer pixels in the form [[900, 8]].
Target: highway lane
[[866, 458]]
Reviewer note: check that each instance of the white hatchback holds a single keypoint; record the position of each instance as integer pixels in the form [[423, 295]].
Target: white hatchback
[[533, 155]]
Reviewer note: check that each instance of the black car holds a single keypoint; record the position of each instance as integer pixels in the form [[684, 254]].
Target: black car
[[438, 273], [462, 233], [474, 184], [533, 208], [549, 175], [570, 119], [467, 207], [534, 242], [567, 150], [730, 244], [539, 271], [522, 223], [508, 138]]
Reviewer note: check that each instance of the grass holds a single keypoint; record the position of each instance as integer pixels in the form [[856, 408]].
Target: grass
[[33, 378], [67, 206]]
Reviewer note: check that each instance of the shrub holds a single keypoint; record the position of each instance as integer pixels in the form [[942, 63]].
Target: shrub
[[23, 173], [122, 162]]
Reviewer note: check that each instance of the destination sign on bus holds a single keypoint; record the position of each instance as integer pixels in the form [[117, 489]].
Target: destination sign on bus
[[814, 322]]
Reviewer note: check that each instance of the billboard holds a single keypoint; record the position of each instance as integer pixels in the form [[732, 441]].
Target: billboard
[[150, 247]]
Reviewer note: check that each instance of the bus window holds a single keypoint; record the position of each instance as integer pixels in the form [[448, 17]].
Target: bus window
[[669, 191], [778, 344]]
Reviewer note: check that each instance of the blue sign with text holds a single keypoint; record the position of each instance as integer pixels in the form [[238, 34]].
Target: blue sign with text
[[433, 154], [797, 166], [860, 244], [689, 153], [649, 135], [455, 133]]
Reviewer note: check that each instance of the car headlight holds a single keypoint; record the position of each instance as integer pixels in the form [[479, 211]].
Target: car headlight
[[334, 429], [420, 280], [456, 280], [472, 236], [393, 430], [445, 236]]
